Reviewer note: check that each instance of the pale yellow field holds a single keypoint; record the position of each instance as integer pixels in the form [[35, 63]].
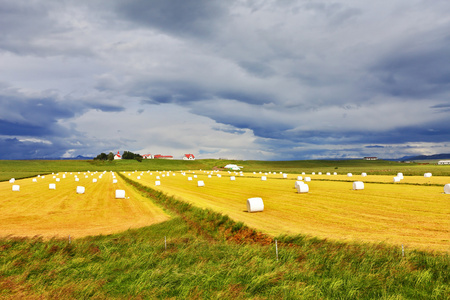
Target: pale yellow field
[[36, 210], [416, 216]]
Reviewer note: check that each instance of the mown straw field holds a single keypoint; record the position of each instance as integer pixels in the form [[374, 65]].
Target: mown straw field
[[414, 212], [37, 210]]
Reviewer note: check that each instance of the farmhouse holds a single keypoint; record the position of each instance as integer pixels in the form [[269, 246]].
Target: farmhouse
[[147, 156], [118, 156], [159, 156], [370, 158], [444, 162], [189, 157]]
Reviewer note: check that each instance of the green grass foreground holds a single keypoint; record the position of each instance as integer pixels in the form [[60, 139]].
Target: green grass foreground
[[208, 255]]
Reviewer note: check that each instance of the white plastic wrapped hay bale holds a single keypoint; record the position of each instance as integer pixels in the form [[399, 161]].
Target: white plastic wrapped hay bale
[[349, 174], [77, 179], [284, 175], [139, 177], [313, 173], [320, 173], [195, 176], [58, 180], [307, 179], [16, 188], [400, 175], [120, 194], [157, 183], [358, 185], [189, 178], [299, 178], [427, 175], [157, 177], [34, 180], [447, 188], [209, 176], [334, 173], [114, 180], [397, 179], [52, 186], [263, 178], [303, 173], [363, 174], [232, 178], [255, 204], [12, 180], [200, 183], [94, 180], [80, 189], [302, 188], [298, 182], [328, 173]]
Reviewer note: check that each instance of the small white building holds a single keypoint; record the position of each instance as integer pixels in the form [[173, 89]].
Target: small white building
[[189, 157], [444, 162], [147, 156], [233, 167], [118, 156]]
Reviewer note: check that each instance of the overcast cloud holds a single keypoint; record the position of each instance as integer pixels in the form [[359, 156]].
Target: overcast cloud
[[272, 80]]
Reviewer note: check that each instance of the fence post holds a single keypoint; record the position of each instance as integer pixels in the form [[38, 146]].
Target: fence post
[[276, 248]]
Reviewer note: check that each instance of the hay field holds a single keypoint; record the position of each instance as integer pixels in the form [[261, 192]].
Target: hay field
[[37, 210], [417, 216]]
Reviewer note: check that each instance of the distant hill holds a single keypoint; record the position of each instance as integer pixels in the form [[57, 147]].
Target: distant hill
[[426, 157]]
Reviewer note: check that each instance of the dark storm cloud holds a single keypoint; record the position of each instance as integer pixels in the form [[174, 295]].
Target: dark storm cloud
[[178, 17]]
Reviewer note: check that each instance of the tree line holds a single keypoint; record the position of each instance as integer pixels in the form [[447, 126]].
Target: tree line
[[125, 155]]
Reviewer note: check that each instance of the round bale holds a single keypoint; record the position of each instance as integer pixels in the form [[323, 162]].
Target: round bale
[[16, 188], [302, 188], [427, 175], [232, 178], [52, 186], [200, 183], [120, 194], [307, 179], [349, 174], [358, 185], [397, 179], [80, 189], [255, 204], [263, 178], [400, 175], [447, 188], [157, 182]]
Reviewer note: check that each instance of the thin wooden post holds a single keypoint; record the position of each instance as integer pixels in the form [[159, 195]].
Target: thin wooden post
[[276, 248]]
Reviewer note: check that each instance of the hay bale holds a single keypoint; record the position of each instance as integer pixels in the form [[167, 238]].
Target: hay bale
[[120, 194], [195, 176], [320, 173], [363, 174], [77, 179], [397, 179], [58, 180], [255, 204], [299, 178], [284, 175], [303, 173], [157, 183], [157, 177], [16, 188], [34, 180], [218, 175], [358, 185], [139, 177], [298, 182], [209, 176], [200, 183], [427, 175], [12, 180], [302, 188], [80, 189], [400, 175], [447, 188], [263, 178], [307, 179], [349, 174], [334, 173], [313, 173], [189, 178], [94, 180], [52, 186], [232, 178], [114, 180], [328, 173]]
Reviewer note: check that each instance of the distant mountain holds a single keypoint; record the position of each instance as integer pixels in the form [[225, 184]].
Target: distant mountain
[[425, 157]]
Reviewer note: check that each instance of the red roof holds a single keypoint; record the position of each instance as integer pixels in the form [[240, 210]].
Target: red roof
[[189, 155], [118, 154], [162, 156]]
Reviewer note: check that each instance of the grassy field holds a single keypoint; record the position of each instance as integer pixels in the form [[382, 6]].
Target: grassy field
[[200, 253], [37, 210], [417, 216]]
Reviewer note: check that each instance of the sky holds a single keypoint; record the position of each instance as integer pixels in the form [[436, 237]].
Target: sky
[[236, 79]]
